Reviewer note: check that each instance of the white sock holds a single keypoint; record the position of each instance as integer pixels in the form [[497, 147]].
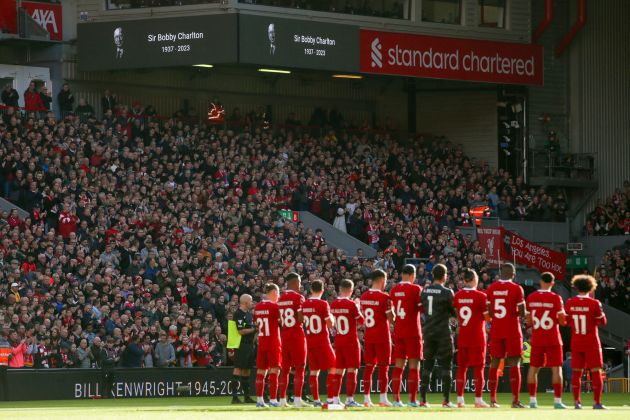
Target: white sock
[[349, 399], [383, 398], [557, 400], [367, 398], [260, 399], [273, 400], [532, 400], [283, 400], [335, 400], [478, 400], [297, 400], [460, 400]]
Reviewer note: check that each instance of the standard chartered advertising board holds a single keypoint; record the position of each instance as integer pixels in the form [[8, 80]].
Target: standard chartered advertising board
[[215, 39]]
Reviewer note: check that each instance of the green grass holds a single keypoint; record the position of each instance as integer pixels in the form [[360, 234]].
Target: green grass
[[219, 408]]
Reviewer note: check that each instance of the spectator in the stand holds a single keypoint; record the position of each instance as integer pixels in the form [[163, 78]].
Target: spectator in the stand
[[164, 352], [184, 352], [611, 217], [133, 354], [108, 101], [32, 99], [218, 342], [46, 97], [65, 99], [84, 355], [613, 277], [10, 96], [340, 220], [84, 110], [19, 350]]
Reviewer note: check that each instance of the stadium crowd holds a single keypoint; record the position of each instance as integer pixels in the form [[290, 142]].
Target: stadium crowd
[[145, 232], [612, 216], [613, 276]]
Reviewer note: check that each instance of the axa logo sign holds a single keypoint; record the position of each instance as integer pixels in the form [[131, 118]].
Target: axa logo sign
[[45, 18], [377, 54]]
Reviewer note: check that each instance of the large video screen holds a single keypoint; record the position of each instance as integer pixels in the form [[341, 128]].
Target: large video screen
[[297, 43], [165, 42]]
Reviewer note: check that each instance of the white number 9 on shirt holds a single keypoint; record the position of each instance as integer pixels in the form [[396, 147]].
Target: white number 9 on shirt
[[465, 313]]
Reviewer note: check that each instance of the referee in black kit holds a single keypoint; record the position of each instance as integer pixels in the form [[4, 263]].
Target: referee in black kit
[[246, 352]]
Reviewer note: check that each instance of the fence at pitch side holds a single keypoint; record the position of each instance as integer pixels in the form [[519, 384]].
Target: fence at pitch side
[[68, 384]]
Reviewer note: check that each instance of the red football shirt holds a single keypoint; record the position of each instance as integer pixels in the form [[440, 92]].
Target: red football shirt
[[290, 304], [406, 301], [316, 312], [505, 297], [544, 307], [374, 306], [471, 306], [347, 319], [584, 315], [267, 318]]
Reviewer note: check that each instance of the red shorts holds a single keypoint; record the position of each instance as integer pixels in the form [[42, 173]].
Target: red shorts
[[546, 356], [408, 348], [321, 358], [267, 359], [294, 353], [377, 353], [348, 356], [506, 347], [471, 356], [589, 359]]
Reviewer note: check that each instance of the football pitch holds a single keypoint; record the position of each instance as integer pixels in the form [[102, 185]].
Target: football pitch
[[220, 408]]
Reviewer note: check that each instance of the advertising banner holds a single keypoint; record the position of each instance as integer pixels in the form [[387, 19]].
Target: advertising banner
[[157, 42], [450, 58], [278, 42], [48, 15], [490, 241], [501, 245], [68, 384]]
